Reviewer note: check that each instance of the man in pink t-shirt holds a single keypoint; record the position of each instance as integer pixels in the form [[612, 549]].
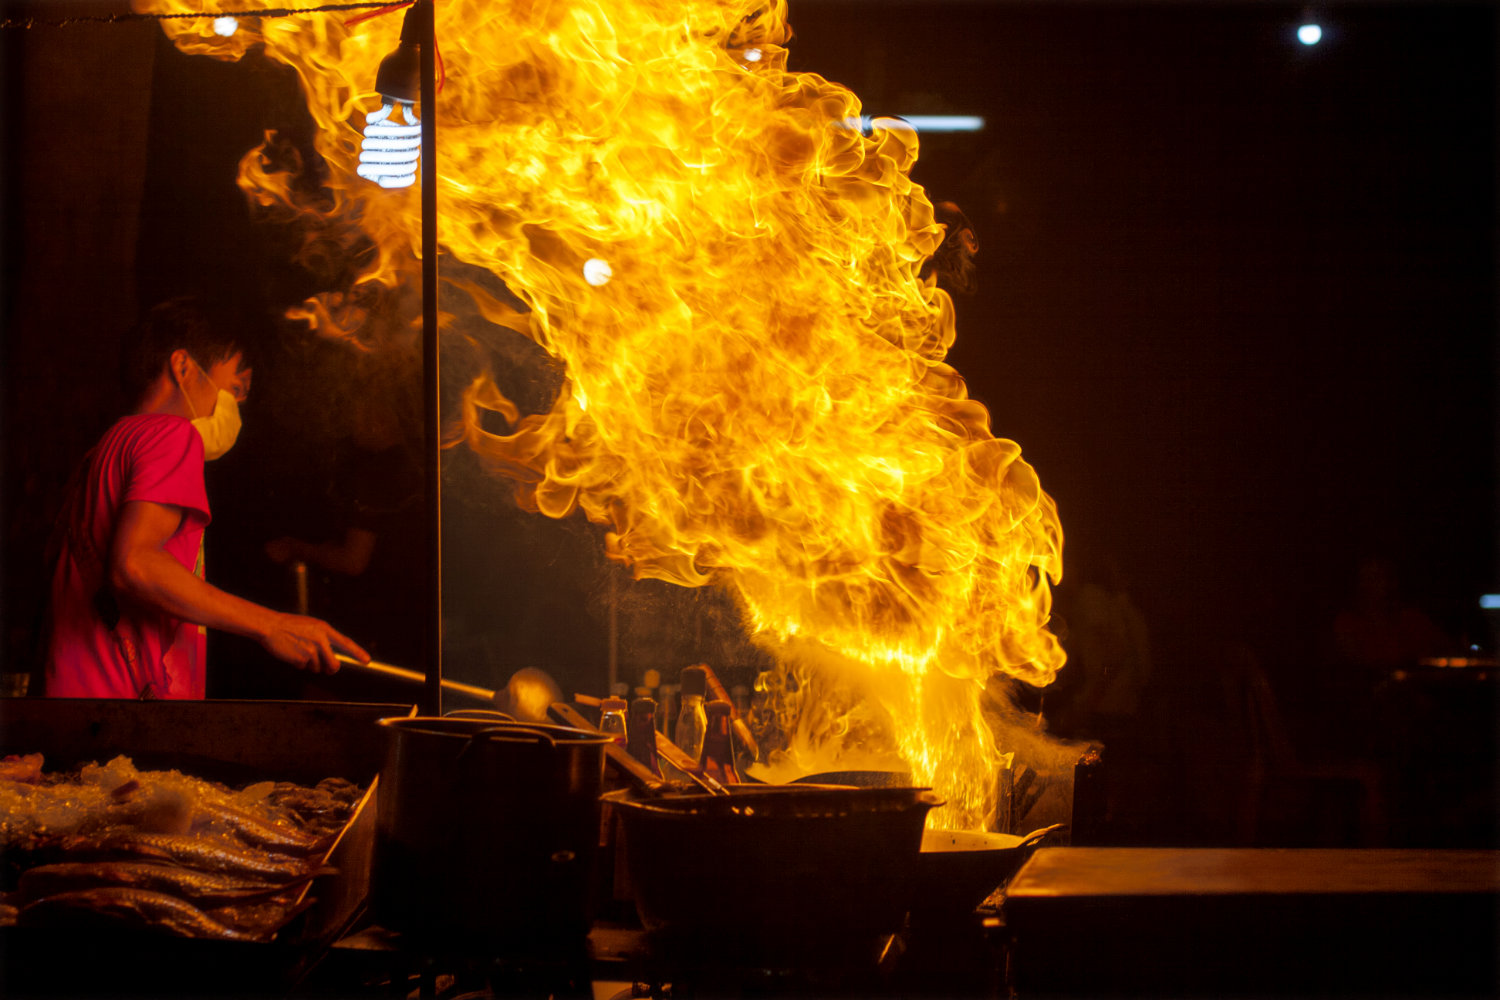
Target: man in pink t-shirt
[[129, 604]]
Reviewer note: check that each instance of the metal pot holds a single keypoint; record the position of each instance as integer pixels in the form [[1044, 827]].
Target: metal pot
[[487, 831]]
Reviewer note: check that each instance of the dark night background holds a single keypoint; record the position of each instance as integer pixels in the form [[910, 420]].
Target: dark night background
[[1238, 305]]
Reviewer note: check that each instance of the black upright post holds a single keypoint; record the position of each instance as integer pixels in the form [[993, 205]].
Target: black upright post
[[433, 691]]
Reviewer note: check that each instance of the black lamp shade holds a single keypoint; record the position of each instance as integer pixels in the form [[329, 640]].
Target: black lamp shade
[[400, 75]]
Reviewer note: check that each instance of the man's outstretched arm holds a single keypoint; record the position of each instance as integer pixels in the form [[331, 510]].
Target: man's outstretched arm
[[142, 568]]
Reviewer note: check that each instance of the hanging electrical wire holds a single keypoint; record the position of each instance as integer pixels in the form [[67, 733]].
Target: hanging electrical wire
[[64, 22]]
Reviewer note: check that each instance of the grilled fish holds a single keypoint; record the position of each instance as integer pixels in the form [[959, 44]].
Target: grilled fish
[[324, 808], [131, 907], [260, 833], [203, 853], [209, 888]]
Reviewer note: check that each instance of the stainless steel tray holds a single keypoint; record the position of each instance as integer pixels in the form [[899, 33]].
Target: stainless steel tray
[[235, 742]]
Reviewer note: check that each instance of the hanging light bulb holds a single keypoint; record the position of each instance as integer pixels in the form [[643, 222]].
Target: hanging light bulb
[[389, 154], [391, 147]]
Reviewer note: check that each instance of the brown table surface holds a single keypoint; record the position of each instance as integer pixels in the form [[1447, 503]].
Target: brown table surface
[[1151, 871]]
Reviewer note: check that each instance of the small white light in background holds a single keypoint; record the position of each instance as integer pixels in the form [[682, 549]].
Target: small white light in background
[[226, 26], [1309, 34], [946, 123], [752, 55], [933, 123], [597, 272], [919, 123]]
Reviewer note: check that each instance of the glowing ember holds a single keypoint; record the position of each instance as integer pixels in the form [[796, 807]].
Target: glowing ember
[[757, 394]]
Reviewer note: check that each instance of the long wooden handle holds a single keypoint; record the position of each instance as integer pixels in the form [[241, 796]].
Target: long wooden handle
[[636, 772], [740, 727], [402, 674]]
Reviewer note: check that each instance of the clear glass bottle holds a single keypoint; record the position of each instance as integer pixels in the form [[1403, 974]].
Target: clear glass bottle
[[718, 745], [612, 719], [692, 720]]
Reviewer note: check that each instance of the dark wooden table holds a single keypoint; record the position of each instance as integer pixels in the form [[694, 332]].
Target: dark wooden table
[[1158, 922]]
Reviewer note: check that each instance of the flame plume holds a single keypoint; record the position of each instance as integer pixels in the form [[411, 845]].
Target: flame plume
[[727, 267]]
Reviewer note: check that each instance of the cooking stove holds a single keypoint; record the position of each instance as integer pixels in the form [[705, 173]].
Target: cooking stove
[[963, 958], [937, 954]]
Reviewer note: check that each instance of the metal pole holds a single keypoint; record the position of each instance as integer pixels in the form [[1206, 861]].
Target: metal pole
[[614, 626], [433, 692]]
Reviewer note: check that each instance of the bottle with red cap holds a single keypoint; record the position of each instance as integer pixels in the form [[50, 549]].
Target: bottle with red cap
[[718, 745]]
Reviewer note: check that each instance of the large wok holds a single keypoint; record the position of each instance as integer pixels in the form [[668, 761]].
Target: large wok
[[957, 870], [770, 874]]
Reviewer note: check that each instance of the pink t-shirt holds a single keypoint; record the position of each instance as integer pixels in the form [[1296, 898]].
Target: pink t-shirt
[[103, 645]]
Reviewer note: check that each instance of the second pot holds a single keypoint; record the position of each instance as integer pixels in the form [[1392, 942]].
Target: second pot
[[487, 831]]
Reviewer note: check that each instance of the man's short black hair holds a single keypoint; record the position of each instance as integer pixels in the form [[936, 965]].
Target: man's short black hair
[[188, 322]]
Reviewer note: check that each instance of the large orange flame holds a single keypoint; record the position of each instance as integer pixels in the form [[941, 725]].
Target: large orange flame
[[727, 267]]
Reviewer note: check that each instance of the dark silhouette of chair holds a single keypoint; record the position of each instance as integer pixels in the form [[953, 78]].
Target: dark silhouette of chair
[[1286, 800]]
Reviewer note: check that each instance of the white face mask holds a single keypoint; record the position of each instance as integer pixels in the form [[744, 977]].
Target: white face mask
[[220, 429]]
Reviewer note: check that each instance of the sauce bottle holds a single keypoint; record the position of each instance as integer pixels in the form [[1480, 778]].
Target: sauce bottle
[[640, 734], [718, 745], [668, 701], [692, 720], [612, 719]]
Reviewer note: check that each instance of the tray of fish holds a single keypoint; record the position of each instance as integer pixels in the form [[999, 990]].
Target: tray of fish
[[226, 875], [115, 846]]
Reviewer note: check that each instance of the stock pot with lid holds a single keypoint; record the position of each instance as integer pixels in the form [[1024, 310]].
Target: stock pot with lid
[[487, 830]]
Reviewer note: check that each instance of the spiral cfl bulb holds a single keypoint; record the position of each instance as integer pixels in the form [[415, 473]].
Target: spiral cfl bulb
[[388, 155]]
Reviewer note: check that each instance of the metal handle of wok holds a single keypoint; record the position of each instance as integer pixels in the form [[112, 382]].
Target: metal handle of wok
[[1037, 836]]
